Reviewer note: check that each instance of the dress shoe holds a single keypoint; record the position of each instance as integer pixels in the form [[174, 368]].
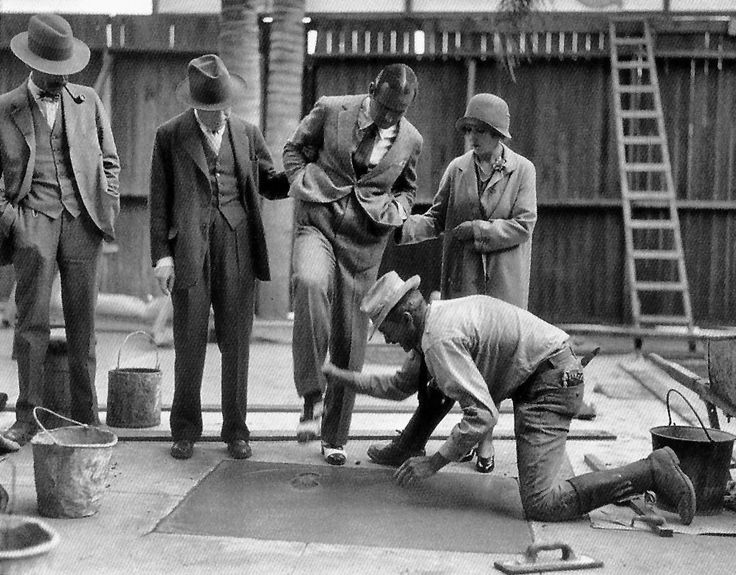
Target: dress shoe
[[671, 484], [20, 432], [392, 454], [310, 422], [334, 454], [239, 449], [182, 449], [485, 464]]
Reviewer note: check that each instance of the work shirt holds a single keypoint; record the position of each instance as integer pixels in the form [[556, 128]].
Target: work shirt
[[479, 350]]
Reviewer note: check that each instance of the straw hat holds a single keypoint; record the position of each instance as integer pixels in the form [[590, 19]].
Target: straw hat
[[49, 46], [209, 86], [384, 295], [489, 109]]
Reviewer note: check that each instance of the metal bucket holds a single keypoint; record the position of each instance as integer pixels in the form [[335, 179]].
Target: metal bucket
[[70, 467], [25, 543], [134, 393], [705, 456]]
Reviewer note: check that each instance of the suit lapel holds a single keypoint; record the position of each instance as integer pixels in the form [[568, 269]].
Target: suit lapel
[[191, 141], [241, 147], [23, 119], [468, 186], [346, 121]]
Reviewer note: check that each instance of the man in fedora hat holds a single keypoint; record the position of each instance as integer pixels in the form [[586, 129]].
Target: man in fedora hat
[[58, 202], [480, 350], [207, 242], [352, 166]]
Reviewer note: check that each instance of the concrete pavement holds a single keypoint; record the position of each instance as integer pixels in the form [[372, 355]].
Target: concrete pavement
[[145, 483]]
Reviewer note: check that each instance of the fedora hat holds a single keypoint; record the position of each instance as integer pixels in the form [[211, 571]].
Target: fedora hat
[[208, 85], [488, 109], [384, 295], [49, 46]]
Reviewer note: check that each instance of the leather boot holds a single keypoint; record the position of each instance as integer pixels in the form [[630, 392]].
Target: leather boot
[[432, 409], [659, 472]]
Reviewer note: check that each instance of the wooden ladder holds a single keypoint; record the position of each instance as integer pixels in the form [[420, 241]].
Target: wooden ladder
[[655, 261]]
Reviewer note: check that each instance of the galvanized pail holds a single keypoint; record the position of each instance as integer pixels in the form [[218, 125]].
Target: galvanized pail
[[134, 393], [70, 467], [705, 456]]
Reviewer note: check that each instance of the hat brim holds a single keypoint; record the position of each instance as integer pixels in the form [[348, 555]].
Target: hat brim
[[410, 284], [470, 121], [75, 63], [237, 91]]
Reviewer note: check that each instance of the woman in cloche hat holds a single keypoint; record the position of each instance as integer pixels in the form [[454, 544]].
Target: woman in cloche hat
[[486, 207]]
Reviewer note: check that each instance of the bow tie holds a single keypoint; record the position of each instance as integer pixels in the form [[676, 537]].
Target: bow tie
[[49, 96]]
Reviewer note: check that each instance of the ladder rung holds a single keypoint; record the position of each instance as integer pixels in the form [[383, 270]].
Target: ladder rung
[[630, 40], [630, 114], [652, 224], [665, 319], [640, 64], [655, 254], [633, 140], [659, 286], [648, 195], [644, 167], [635, 88]]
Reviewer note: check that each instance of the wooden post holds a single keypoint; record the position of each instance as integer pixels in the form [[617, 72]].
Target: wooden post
[[471, 65]]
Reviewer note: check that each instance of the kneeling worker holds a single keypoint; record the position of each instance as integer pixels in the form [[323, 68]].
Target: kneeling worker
[[479, 351]]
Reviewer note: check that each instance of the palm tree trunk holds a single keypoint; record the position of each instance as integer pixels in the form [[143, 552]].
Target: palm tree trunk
[[239, 47], [283, 112]]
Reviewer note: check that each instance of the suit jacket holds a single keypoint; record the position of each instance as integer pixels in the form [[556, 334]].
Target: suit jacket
[[180, 193], [329, 129], [92, 151], [497, 261]]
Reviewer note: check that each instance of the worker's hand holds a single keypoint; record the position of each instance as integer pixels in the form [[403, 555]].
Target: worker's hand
[[165, 277], [463, 232], [336, 376], [310, 153], [413, 470]]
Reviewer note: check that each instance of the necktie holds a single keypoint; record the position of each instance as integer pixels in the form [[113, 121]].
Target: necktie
[[362, 154]]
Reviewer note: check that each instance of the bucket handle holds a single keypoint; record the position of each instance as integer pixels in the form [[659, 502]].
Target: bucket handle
[[46, 431], [669, 413], [150, 338]]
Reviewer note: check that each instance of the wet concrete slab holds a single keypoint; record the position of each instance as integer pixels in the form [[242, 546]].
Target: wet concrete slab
[[351, 505]]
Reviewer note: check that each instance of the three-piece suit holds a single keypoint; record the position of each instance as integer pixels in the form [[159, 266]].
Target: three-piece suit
[[205, 215], [59, 199]]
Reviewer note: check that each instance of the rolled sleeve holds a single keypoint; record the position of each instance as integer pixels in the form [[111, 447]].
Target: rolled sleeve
[[477, 420], [457, 376]]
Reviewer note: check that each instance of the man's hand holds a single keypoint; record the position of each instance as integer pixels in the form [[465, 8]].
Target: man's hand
[[336, 376], [418, 468], [165, 277], [463, 232]]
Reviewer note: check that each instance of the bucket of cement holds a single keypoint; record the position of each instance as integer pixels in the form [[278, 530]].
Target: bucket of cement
[[705, 457], [70, 467], [134, 393], [25, 543]]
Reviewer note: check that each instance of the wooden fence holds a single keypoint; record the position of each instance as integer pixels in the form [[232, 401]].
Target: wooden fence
[[559, 96]]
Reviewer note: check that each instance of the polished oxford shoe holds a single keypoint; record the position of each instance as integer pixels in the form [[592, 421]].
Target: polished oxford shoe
[[334, 454], [239, 449], [182, 449]]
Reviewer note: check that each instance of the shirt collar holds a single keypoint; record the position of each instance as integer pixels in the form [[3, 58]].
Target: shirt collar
[[33, 88], [205, 129], [365, 120]]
